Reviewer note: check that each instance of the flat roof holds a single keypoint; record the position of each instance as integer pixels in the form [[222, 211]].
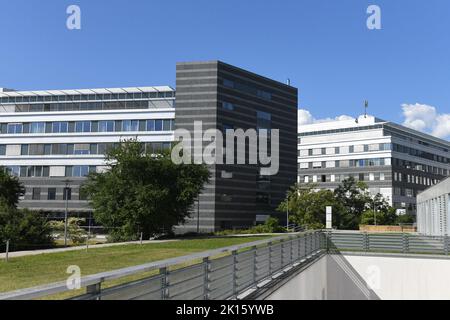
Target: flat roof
[[85, 91]]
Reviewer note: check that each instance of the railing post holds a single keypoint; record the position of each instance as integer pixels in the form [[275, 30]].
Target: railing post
[[254, 265], [95, 290], [206, 278], [291, 251], [234, 255], [446, 245], [7, 251], [164, 283], [282, 251], [270, 259], [366, 244], [327, 241], [405, 242], [299, 248]]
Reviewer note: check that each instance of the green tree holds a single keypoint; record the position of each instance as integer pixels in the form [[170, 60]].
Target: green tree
[[24, 228], [142, 192], [355, 200], [307, 206], [10, 189], [74, 231], [383, 217], [405, 219]]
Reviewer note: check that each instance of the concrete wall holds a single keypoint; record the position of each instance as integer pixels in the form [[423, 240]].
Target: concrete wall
[[361, 277], [311, 284]]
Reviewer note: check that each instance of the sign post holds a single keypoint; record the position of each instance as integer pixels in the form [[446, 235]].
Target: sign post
[[329, 218]]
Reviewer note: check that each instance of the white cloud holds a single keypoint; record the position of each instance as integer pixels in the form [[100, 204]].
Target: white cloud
[[305, 117], [442, 126], [425, 118]]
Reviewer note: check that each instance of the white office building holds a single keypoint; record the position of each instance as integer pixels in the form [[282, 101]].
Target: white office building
[[393, 160], [48, 137], [433, 210]]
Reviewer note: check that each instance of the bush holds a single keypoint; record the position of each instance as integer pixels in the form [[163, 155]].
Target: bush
[[271, 225], [24, 228], [74, 232]]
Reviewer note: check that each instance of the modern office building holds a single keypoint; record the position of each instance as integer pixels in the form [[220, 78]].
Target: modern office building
[[433, 210], [393, 160], [225, 97], [53, 139]]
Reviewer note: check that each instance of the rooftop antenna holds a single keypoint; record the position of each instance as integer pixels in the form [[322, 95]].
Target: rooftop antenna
[[366, 105], [288, 81]]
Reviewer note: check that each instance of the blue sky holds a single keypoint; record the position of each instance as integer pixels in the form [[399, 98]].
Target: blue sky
[[323, 46]]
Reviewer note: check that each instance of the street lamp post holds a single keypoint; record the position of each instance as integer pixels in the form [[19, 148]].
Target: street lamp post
[[66, 211], [287, 212], [374, 211], [198, 214]]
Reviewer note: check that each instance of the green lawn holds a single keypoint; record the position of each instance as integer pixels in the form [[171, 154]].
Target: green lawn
[[41, 269]]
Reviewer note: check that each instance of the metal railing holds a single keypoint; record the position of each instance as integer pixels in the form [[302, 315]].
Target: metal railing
[[403, 243], [219, 274]]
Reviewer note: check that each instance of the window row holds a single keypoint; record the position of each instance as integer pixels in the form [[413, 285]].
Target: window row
[[360, 163], [89, 97], [345, 149], [413, 179], [419, 153], [247, 88], [379, 176], [88, 126], [420, 167], [91, 106], [333, 131], [52, 194], [74, 149], [47, 171]]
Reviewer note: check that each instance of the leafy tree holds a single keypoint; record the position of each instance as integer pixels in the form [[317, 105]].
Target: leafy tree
[[142, 192], [10, 189], [355, 200], [307, 205], [405, 219], [74, 232], [24, 228], [383, 217]]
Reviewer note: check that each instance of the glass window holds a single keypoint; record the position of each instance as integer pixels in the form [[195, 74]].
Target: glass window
[[106, 126], [67, 194], [14, 128], [228, 106], [167, 125], [158, 125], [80, 171], [24, 150], [60, 127], [150, 125], [81, 149], [51, 194], [13, 170], [36, 194], [37, 127], [228, 83], [2, 150], [130, 125], [83, 126]]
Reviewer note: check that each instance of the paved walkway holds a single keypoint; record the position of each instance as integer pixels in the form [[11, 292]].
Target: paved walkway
[[105, 245], [94, 246]]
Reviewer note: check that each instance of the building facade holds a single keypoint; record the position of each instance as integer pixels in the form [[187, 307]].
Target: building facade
[[52, 139], [225, 97], [393, 160], [433, 210]]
